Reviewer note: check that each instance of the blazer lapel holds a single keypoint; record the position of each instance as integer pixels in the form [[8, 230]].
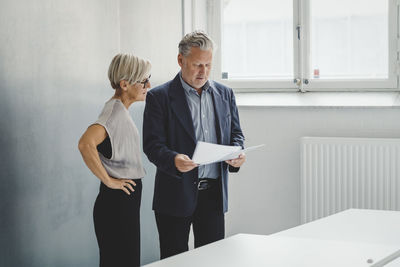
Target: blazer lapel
[[219, 110], [180, 106]]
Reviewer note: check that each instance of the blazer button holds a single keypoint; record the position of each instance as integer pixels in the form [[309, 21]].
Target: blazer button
[[195, 183]]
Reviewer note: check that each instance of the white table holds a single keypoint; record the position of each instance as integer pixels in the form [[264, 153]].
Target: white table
[[355, 225], [353, 238], [395, 263]]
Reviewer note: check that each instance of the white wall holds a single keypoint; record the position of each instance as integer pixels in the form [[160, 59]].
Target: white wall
[[152, 29], [265, 194]]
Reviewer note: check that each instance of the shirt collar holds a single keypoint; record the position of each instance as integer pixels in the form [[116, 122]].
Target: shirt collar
[[189, 89]]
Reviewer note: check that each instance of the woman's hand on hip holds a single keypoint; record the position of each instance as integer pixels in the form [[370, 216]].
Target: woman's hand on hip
[[122, 184]]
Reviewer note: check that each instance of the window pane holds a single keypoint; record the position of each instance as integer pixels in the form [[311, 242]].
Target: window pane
[[349, 39], [257, 39]]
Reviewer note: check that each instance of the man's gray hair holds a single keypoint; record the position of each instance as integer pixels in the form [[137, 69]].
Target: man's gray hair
[[195, 39]]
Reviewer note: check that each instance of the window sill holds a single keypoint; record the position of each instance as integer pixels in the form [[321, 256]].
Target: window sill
[[320, 99]]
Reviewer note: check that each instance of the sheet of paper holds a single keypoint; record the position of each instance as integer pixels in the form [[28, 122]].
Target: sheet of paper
[[206, 153], [236, 154]]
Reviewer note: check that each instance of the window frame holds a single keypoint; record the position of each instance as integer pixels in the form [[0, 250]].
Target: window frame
[[301, 58]]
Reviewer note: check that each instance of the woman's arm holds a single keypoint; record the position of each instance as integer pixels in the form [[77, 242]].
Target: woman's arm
[[88, 143]]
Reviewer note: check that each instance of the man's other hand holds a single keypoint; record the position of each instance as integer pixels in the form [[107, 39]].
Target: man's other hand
[[183, 163], [238, 161]]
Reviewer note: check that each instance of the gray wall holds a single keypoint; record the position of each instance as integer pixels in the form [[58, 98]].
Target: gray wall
[[53, 79], [54, 57], [153, 32]]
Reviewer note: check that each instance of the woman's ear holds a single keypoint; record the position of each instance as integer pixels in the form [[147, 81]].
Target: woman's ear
[[123, 85]]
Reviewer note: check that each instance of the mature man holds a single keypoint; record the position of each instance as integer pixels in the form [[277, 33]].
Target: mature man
[[179, 113]]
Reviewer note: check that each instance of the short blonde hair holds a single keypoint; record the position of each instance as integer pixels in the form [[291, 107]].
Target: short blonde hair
[[129, 68]]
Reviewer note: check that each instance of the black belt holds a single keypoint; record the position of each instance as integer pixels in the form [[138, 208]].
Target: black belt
[[206, 183]]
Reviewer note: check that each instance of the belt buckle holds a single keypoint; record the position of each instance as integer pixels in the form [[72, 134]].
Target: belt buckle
[[199, 185]]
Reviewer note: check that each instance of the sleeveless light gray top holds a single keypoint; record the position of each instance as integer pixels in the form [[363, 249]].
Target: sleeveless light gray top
[[126, 160]]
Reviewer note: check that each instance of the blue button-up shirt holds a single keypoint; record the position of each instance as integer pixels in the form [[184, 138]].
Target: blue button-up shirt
[[202, 111]]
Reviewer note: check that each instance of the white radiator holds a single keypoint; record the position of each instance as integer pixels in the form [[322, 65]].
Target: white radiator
[[341, 173]]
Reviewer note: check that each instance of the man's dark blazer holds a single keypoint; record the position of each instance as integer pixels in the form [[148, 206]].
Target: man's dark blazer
[[168, 130]]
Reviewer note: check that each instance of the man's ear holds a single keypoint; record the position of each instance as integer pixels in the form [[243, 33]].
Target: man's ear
[[180, 59]]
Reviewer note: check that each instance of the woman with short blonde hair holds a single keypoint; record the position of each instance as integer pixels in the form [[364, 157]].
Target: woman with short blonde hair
[[111, 150]]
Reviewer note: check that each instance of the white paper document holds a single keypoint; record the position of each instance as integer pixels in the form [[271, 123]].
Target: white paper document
[[206, 153]]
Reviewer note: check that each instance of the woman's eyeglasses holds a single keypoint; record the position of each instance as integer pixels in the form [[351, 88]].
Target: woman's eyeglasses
[[145, 82]]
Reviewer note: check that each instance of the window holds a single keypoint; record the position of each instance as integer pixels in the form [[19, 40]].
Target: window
[[305, 45], [256, 33]]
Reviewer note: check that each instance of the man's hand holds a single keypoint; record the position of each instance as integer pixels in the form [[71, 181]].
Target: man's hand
[[238, 161], [183, 163], [122, 184]]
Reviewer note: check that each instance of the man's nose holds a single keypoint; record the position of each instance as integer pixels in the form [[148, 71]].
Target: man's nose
[[202, 69]]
